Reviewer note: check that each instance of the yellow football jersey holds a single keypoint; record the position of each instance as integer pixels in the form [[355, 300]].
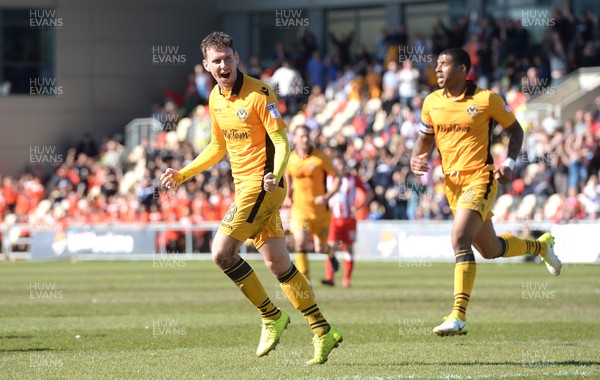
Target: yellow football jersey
[[243, 119], [309, 176], [463, 126]]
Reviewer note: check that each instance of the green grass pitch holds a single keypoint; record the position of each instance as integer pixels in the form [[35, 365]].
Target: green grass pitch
[[172, 320]]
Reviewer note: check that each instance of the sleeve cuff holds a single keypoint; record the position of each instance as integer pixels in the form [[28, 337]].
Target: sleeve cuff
[[426, 129]]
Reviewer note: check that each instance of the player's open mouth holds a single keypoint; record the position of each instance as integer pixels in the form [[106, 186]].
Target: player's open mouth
[[225, 75]]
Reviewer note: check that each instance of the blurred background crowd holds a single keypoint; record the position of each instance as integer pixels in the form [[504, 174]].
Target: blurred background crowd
[[362, 107]]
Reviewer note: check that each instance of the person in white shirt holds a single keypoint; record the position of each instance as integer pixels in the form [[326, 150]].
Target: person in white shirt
[[408, 78]]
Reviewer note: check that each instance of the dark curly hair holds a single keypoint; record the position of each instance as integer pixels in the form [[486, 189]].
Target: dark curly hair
[[459, 57]]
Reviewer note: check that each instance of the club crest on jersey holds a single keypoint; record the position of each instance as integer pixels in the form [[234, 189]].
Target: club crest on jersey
[[242, 114], [472, 110]]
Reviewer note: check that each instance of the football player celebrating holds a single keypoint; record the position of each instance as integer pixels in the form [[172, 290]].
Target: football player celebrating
[[247, 125]]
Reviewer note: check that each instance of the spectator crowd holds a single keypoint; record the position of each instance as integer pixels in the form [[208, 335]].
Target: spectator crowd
[[364, 108]]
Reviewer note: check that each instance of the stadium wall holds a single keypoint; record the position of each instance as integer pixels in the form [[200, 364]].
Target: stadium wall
[[104, 65], [407, 243]]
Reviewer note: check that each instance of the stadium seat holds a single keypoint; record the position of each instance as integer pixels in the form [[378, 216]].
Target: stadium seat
[[502, 207], [552, 205], [526, 207]]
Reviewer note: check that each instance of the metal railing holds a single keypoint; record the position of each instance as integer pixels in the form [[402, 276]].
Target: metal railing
[[139, 129]]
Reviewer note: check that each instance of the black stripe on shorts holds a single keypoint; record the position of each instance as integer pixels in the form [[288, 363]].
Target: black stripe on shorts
[[259, 200], [488, 188]]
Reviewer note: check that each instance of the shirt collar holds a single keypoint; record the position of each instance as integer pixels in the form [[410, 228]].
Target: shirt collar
[[468, 93]]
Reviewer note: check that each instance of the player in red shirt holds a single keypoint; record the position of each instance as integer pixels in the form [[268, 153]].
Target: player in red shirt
[[342, 233]]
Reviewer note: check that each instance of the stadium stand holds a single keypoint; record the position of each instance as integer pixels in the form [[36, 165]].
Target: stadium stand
[[355, 114]]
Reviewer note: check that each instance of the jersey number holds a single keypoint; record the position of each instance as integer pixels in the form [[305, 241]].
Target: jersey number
[[230, 214]]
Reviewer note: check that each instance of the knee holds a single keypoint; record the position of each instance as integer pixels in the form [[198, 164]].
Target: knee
[[488, 254], [222, 258], [490, 250], [461, 242], [277, 267], [270, 264]]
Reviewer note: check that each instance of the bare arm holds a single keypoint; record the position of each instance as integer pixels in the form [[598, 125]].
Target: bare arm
[[515, 141], [335, 186], [290, 190], [419, 160], [503, 174]]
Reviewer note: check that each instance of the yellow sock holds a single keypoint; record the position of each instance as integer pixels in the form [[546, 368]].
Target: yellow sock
[[298, 291], [244, 277], [464, 278], [301, 261], [517, 246]]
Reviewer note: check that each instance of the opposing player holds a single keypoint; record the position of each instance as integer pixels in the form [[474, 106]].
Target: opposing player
[[308, 194], [342, 233], [246, 124], [458, 118]]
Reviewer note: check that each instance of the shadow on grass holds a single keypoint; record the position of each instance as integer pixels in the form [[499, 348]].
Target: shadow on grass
[[27, 349], [533, 363], [541, 363], [16, 336]]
